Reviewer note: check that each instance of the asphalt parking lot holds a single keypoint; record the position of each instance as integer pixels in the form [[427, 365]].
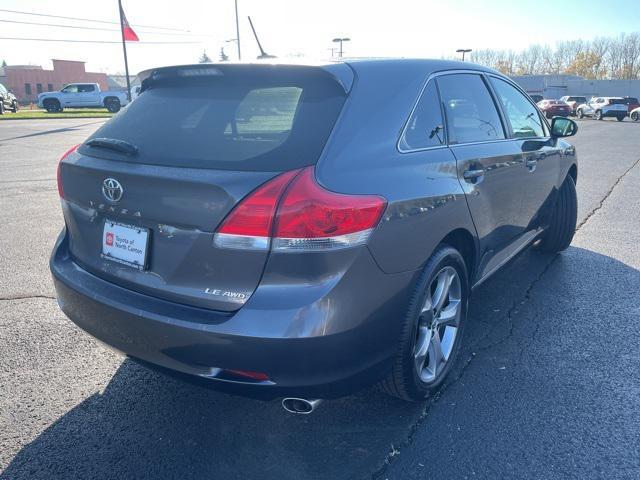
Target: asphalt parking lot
[[548, 386]]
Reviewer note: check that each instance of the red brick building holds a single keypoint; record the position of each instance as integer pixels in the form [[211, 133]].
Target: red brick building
[[26, 81]]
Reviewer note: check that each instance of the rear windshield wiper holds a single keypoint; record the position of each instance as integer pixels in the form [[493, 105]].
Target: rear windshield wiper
[[113, 144]]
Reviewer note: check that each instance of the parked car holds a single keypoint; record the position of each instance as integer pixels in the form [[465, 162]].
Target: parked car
[[82, 95], [536, 98], [635, 114], [8, 100], [631, 103], [573, 101], [289, 232], [553, 108], [601, 107]]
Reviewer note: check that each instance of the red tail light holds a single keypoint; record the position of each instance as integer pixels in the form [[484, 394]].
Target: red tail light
[[306, 216], [249, 223], [58, 174]]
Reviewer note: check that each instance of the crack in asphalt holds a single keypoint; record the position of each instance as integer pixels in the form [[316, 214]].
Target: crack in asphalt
[[606, 196], [28, 180], [508, 318], [34, 296]]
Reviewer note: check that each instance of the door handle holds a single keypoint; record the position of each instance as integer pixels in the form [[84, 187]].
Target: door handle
[[472, 175]]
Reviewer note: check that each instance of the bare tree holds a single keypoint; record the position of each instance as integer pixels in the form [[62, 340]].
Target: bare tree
[[600, 58]]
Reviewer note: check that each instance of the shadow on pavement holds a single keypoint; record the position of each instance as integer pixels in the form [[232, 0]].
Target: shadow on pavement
[[145, 425]]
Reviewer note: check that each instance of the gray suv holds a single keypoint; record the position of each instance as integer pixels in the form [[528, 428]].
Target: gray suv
[[306, 231]]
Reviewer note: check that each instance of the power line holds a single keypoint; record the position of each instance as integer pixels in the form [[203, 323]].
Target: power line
[[100, 28], [88, 20], [91, 41]]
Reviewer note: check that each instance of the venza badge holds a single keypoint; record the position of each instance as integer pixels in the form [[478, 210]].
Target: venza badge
[[112, 190]]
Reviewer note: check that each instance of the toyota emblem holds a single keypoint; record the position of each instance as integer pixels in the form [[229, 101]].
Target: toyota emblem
[[112, 190]]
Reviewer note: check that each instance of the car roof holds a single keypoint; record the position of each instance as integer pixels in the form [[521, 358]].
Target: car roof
[[347, 67]]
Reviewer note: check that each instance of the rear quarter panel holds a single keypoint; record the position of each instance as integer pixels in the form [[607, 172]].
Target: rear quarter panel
[[425, 199]]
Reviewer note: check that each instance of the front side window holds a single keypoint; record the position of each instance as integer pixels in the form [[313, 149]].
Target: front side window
[[70, 89], [470, 110], [425, 127], [521, 114]]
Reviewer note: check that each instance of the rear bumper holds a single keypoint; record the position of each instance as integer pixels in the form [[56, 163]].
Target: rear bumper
[[287, 343]]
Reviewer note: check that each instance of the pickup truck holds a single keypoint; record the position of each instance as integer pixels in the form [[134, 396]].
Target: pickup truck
[[82, 95]]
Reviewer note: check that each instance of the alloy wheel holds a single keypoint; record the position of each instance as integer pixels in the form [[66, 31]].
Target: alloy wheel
[[438, 325]]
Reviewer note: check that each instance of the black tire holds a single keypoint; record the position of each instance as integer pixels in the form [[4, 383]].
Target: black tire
[[620, 117], [404, 381], [557, 237], [52, 106], [579, 113], [598, 115], [1, 107], [635, 116], [112, 104], [14, 108]]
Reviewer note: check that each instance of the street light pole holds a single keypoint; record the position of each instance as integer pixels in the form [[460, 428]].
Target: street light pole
[[463, 51], [238, 31], [340, 41]]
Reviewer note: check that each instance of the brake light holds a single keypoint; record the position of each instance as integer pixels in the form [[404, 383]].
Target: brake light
[[312, 218], [294, 213], [248, 226], [59, 174]]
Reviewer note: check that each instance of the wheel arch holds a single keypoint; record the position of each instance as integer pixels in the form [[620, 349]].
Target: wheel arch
[[573, 172], [110, 98], [465, 242]]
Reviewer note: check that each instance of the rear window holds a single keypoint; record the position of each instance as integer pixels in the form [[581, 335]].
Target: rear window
[[246, 118]]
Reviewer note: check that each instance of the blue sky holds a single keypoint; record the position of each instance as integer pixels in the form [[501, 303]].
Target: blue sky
[[411, 28]]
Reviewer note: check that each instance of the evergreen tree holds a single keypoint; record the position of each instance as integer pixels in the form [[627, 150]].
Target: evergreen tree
[[204, 58]]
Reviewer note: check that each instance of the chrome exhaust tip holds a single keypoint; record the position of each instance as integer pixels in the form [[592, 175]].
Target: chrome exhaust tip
[[300, 406]]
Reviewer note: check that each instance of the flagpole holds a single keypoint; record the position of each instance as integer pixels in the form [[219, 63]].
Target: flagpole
[[237, 31], [124, 49]]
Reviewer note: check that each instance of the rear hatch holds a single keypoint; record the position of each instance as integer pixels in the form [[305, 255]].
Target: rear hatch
[[145, 194]]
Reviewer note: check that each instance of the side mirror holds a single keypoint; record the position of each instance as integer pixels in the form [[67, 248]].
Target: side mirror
[[563, 127]]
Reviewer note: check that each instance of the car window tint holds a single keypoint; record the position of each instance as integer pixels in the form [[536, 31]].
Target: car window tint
[[249, 118], [521, 114], [425, 127], [471, 113], [85, 88], [70, 89], [266, 110]]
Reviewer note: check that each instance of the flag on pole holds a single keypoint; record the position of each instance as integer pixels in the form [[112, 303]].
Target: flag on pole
[[127, 32]]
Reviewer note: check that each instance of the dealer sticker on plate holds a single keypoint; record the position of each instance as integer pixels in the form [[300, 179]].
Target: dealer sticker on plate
[[125, 244]]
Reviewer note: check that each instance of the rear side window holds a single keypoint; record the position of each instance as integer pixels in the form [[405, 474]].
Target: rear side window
[[425, 127], [245, 118], [470, 110], [521, 113]]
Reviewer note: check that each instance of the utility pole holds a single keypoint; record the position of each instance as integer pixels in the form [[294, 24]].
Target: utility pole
[[238, 31], [340, 41], [124, 49], [463, 51]]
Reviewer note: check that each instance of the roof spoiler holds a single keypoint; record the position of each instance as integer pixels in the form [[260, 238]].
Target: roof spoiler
[[341, 72]]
